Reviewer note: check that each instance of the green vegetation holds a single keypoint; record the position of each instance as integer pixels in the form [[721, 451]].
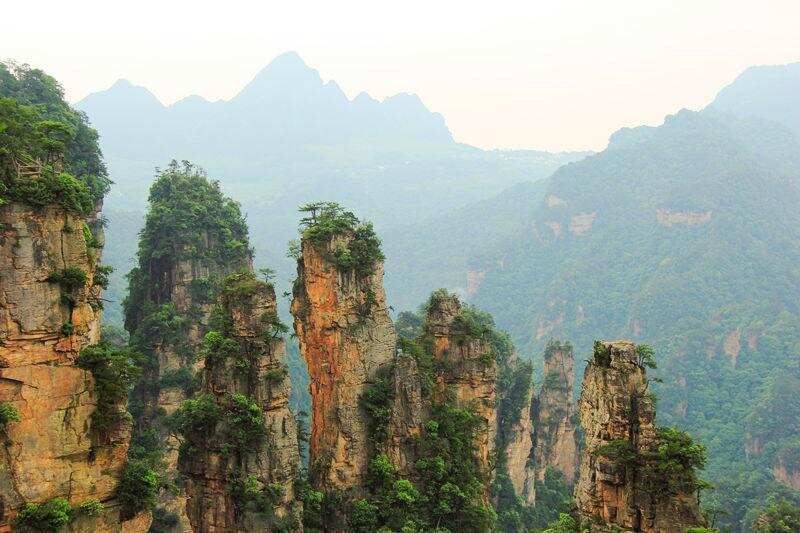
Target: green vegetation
[[138, 488], [447, 487], [240, 417], [115, 372], [54, 514], [71, 280], [48, 152], [326, 220], [245, 421], [778, 517], [8, 414], [727, 331], [669, 467], [189, 219], [252, 495]]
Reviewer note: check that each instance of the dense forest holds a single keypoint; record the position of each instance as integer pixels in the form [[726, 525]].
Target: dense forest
[[664, 237]]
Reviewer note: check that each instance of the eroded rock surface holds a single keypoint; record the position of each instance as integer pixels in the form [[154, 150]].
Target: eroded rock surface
[[555, 438], [615, 408], [53, 451], [345, 335], [270, 464]]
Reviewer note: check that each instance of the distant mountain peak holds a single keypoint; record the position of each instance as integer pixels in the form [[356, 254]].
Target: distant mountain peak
[[287, 72], [290, 59], [122, 83]]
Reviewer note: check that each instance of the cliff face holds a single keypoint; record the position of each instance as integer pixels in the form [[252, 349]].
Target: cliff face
[[408, 413], [171, 284], [519, 443], [237, 483], [193, 237], [468, 368], [556, 445], [617, 415], [50, 292], [345, 336]]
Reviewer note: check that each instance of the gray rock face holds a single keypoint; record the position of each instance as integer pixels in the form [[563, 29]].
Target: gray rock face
[[256, 371]]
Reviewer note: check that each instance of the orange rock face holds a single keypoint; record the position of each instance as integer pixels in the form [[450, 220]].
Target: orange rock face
[[345, 335], [51, 452], [614, 406]]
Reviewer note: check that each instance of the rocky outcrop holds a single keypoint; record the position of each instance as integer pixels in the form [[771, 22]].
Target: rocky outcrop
[[518, 439], [50, 289], [193, 237], [555, 433], [617, 415], [409, 411], [345, 335], [468, 366], [240, 473], [786, 467]]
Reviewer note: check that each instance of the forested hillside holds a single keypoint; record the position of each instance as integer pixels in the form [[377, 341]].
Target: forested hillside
[[685, 236]]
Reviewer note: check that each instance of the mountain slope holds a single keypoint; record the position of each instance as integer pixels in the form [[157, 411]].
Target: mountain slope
[[686, 236], [768, 92]]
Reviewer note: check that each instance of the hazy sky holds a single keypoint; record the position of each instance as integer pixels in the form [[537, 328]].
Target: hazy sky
[[553, 74]]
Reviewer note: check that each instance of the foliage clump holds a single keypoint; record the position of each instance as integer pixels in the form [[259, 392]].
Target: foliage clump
[[48, 152], [54, 514], [326, 220], [778, 517], [667, 468], [115, 371], [138, 488], [8, 414]]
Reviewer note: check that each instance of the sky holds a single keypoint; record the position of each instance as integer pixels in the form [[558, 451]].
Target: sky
[[554, 75]]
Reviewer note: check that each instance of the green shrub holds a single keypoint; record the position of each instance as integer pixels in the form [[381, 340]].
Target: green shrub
[[71, 280], [114, 371], [101, 274], [602, 354], [217, 348], [88, 508], [245, 422], [645, 356], [250, 493], [47, 516], [89, 238], [325, 220], [8, 413], [376, 401], [197, 417], [54, 514], [138, 487], [670, 467]]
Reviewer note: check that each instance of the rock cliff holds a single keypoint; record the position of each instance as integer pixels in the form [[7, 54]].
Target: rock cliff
[[555, 438], [50, 307], [193, 237], [240, 470], [345, 335], [467, 367], [623, 481]]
